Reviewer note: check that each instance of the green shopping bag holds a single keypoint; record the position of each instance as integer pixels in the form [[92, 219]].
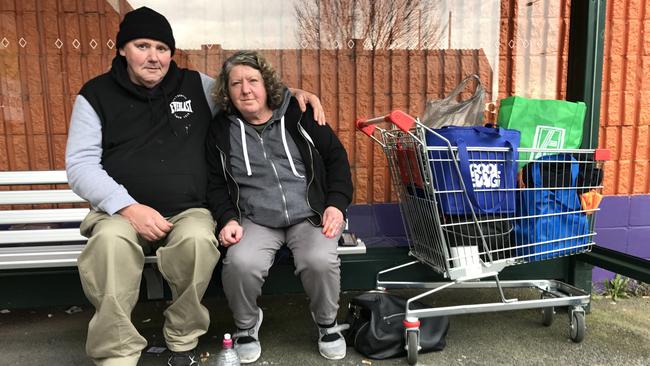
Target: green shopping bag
[[544, 124]]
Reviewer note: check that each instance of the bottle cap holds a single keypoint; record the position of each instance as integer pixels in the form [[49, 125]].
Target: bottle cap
[[227, 341]]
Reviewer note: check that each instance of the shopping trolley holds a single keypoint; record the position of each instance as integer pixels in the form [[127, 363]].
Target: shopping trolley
[[465, 222]]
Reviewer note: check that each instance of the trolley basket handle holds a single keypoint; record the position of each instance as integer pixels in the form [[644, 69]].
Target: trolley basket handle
[[400, 119], [602, 155]]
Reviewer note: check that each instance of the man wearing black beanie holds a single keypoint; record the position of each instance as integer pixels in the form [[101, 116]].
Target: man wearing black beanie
[[136, 152], [145, 23]]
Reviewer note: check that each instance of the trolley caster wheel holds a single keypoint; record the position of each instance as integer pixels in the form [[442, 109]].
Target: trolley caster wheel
[[577, 327], [548, 315], [412, 346]]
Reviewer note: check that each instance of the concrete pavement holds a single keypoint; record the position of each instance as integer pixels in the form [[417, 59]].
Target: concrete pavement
[[617, 334]]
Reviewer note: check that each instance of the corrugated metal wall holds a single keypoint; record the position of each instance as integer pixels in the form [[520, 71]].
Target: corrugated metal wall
[[49, 48], [56, 45], [356, 82]]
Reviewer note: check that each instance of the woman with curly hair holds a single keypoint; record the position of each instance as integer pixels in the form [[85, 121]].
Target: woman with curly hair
[[276, 178]]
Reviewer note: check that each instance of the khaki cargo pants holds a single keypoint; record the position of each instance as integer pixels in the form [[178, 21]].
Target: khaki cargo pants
[[110, 268]]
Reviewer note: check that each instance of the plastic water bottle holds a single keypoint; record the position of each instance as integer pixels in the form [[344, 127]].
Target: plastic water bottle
[[228, 356]]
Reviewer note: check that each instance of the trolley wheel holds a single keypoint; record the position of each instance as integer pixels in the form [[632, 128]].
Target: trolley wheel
[[577, 327], [412, 345], [548, 315]]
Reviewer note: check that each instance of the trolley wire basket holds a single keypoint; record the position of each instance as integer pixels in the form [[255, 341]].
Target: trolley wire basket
[[469, 212]]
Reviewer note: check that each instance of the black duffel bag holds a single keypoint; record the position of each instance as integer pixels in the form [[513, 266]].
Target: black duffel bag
[[376, 329]]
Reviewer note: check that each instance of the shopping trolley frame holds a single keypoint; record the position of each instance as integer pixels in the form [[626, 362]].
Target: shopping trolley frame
[[552, 293]]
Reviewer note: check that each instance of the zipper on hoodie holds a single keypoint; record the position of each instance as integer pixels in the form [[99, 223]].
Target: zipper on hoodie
[[311, 164], [277, 177]]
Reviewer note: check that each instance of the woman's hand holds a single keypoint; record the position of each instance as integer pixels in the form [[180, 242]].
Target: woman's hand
[[230, 234], [332, 222], [304, 98]]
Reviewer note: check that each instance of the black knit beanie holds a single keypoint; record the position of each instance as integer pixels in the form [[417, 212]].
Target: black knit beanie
[[145, 23]]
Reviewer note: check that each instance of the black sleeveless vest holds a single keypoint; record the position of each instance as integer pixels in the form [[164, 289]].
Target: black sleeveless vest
[[153, 141]]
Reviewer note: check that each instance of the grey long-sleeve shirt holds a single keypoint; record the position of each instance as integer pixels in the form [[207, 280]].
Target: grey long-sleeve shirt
[[83, 156]]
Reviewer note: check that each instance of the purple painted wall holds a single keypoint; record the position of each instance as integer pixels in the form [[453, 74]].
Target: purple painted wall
[[378, 225], [623, 224]]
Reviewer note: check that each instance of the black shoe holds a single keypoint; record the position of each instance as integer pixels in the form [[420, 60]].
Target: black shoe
[[187, 358]]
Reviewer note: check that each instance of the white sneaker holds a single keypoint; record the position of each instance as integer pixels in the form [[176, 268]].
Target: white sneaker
[[332, 349], [251, 350]]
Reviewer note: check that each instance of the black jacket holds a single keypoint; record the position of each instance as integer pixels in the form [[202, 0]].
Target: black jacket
[[329, 180]]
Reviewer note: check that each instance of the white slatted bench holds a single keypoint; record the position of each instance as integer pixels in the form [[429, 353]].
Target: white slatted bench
[[46, 238]]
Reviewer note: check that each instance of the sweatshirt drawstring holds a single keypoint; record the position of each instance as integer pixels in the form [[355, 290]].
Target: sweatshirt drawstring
[[286, 149], [242, 128], [244, 148]]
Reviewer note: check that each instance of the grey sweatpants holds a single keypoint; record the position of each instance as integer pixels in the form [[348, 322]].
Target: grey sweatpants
[[247, 264], [110, 268]]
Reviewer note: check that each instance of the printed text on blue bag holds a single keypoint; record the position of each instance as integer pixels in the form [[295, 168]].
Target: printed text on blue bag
[[485, 175]]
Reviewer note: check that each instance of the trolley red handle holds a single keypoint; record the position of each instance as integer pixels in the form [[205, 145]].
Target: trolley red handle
[[400, 119], [602, 155]]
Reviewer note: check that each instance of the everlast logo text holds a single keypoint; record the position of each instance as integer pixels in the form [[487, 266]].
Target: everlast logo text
[[180, 106]]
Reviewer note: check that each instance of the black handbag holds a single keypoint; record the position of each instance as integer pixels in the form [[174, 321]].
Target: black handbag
[[376, 329]]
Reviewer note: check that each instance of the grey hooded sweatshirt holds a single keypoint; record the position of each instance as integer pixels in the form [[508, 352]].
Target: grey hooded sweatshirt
[[269, 170]]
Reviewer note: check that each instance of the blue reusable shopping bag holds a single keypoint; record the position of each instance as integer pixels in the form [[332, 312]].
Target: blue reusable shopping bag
[[488, 177], [551, 215]]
